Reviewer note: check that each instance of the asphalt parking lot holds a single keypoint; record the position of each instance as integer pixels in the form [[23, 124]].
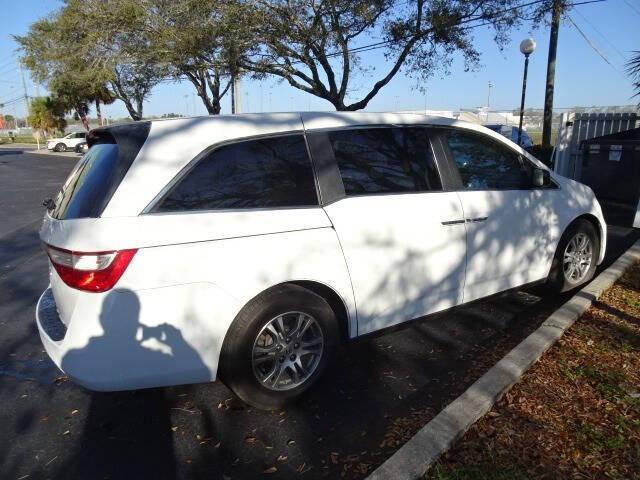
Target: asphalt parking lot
[[378, 392]]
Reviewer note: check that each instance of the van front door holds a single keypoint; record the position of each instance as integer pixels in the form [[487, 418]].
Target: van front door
[[403, 237], [511, 227]]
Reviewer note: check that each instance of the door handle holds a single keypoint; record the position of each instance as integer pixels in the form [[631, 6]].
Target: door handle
[[453, 222], [468, 220]]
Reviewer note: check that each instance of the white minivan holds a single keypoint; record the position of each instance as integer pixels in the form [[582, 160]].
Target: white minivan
[[246, 247]]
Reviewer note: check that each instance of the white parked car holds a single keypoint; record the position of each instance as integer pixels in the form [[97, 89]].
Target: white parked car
[[247, 247], [68, 142]]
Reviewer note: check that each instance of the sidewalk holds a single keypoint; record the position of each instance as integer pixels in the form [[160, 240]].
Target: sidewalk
[[575, 413]]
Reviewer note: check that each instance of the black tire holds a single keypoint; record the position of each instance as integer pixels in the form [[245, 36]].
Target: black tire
[[236, 357], [60, 147], [557, 282]]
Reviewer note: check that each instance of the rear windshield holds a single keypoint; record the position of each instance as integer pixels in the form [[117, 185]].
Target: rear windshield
[[98, 174], [90, 185]]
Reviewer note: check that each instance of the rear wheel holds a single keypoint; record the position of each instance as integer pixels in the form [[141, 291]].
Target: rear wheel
[[278, 346], [60, 147], [575, 260]]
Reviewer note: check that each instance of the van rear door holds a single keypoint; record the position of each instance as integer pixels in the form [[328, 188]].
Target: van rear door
[[81, 201]]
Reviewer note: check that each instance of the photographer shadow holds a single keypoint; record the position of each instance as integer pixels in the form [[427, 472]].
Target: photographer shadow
[[129, 434]]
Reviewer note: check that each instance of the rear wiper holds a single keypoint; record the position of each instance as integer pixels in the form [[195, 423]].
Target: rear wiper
[[49, 203]]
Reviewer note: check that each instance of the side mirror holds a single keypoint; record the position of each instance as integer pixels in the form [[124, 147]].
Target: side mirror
[[541, 177]]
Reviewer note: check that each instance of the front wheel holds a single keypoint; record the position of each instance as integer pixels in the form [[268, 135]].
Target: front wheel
[[278, 346], [575, 260], [60, 147]]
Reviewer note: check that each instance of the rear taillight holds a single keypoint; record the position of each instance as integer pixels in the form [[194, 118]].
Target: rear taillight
[[91, 272]]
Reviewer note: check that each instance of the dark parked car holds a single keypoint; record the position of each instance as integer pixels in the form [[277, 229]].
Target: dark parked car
[[511, 133], [82, 148]]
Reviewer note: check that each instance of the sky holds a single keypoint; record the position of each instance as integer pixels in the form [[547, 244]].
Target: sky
[[583, 76]]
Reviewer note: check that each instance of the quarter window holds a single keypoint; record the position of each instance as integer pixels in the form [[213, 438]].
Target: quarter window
[[263, 173], [486, 165], [385, 160]]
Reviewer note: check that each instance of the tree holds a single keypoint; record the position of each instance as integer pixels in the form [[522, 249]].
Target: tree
[[46, 115], [197, 41], [8, 121], [132, 83], [633, 69], [45, 54], [114, 43], [84, 55], [315, 45]]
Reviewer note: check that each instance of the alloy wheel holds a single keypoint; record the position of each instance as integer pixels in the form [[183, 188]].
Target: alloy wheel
[[287, 351], [578, 257]]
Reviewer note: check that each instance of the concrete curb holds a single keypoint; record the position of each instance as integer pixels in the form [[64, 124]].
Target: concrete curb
[[414, 458], [44, 151]]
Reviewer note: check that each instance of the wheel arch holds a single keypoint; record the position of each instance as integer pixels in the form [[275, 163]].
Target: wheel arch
[[332, 297], [599, 230], [334, 300]]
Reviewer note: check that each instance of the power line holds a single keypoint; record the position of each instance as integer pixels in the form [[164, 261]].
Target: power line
[[632, 6], [618, 51], [589, 42], [595, 47]]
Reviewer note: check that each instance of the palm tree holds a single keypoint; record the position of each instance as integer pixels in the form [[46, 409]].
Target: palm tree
[[633, 69]]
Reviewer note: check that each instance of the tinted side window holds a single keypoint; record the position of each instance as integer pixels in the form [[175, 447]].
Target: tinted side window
[[385, 160], [270, 172], [485, 164]]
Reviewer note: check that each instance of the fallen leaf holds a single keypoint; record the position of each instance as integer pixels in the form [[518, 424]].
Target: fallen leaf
[[250, 439], [282, 458], [270, 470], [67, 432], [291, 442]]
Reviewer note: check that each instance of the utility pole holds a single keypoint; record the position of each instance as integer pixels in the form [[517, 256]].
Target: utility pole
[[425, 101], [236, 101], [26, 96], [551, 73], [489, 87], [238, 97]]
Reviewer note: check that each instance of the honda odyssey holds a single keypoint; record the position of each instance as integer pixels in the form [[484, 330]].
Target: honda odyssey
[[247, 247]]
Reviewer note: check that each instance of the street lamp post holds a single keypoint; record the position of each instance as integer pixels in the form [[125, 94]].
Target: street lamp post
[[527, 46]]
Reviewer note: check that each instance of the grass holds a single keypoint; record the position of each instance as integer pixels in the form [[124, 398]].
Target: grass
[[575, 413], [489, 468], [20, 139], [536, 136]]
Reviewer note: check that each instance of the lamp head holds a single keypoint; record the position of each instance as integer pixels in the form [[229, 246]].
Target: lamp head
[[527, 46]]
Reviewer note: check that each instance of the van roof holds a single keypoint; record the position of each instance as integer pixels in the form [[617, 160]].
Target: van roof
[[172, 144], [352, 117]]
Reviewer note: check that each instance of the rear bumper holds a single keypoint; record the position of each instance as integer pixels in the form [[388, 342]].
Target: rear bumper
[[51, 329], [125, 340]]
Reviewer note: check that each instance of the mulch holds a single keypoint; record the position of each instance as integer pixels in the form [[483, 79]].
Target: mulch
[[575, 414]]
